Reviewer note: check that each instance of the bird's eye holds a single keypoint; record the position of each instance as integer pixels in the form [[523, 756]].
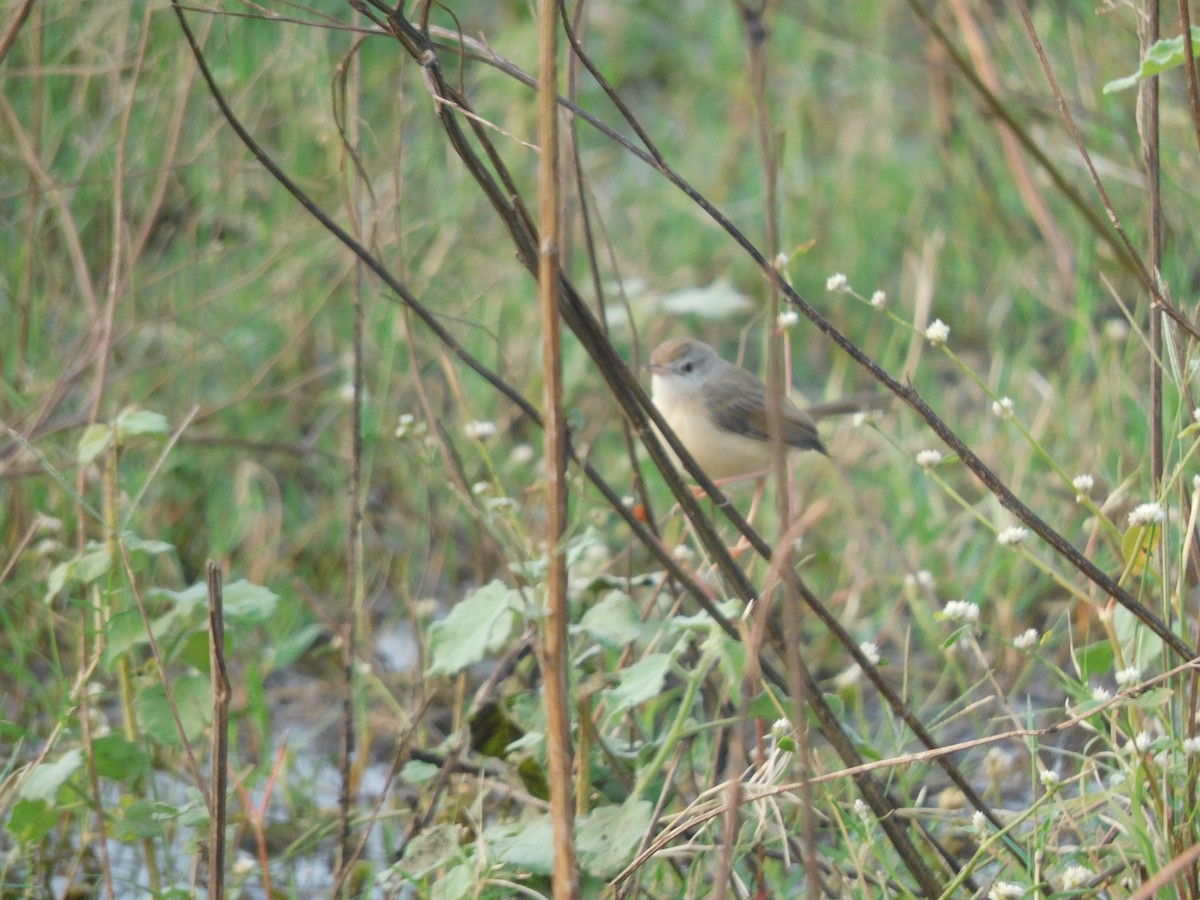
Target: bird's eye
[[687, 368]]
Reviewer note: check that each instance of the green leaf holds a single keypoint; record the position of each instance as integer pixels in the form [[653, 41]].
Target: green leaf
[[1165, 54], [1152, 698], [610, 835], [94, 441], [246, 603], [480, 624], [1137, 544], [417, 772], [31, 820], [614, 621], [119, 759], [429, 850], [134, 422], [638, 683], [193, 700], [1094, 660], [137, 821], [295, 645], [526, 845], [44, 782], [456, 884]]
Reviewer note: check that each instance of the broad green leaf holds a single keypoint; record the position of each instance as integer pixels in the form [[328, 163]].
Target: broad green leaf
[[614, 621], [46, 779], [137, 821], [456, 884], [417, 772], [638, 683], [527, 845], [244, 603], [31, 820], [480, 624], [1165, 54], [1094, 660], [136, 422], [119, 759], [193, 700], [431, 849], [610, 835], [94, 441]]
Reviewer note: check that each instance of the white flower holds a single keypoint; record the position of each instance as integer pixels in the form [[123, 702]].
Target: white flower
[[1142, 741], [781, 261], [683, 552], [862, 810], [1002, 890], [927, 459], [871, 651], [480, 488], [479, 431], [961, 611], [1128, 676], [1196, 413], [781, 728], [979, 822], [1147, 514], [922, 579], [1026, 639], [1013, 535], [1076, 877], [407, 421], [788, 318], [838, 282], [1191, 746], [1083, 485], [1049, 778], [1101, 694], [879, 299], [937, 333], [1003, 407], [522, 454], [866, 417]]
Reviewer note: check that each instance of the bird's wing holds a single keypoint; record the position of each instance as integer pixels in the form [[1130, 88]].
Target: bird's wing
[[738, 403]]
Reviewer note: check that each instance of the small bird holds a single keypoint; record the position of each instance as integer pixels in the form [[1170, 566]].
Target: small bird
[[719, 410]]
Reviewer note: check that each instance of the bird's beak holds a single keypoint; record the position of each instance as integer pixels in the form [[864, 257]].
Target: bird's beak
[[655, 368]]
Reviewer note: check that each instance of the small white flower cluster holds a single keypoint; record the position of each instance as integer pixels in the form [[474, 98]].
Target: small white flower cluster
[[1003, 407], [1141, 742], [1101, 694], [961, 611], [1128, 677], [937, 333], [879, 299], [788, 318], [1011, 536], [1049, 779], [1076, 877], [1147, 514], [409, 427], [1083, 485], [922, 579], [479, 431], [1003, 890], [1027, 639], [866, 417], [837, 282], [1191, 746], [927, 459], [870, 650]]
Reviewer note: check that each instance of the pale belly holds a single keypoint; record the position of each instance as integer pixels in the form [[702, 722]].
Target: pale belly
[[720, 453]]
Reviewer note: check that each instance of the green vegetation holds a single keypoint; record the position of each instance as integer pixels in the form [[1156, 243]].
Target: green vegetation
[[177, 386]]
